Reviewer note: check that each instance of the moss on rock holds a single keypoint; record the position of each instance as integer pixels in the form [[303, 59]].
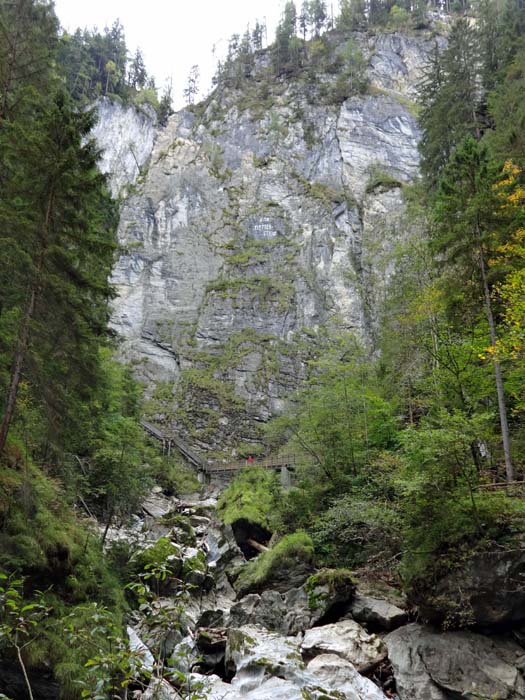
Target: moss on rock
[[294, 554], [252, 496]]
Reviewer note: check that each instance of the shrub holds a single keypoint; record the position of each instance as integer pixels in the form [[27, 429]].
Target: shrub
[[353, 530]]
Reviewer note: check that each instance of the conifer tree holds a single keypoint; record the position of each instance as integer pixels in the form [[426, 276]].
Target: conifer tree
[[137, 75], [28, 38], [192, 85], [464, 219], [450, 100], [56, 226]]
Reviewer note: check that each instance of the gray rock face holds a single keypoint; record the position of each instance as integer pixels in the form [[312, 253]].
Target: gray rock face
[[252, 233], [443, 666], [125, 135], [487, 589]]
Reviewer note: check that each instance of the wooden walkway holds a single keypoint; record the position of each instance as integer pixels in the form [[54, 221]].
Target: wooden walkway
[[276, 463], [171, 441]]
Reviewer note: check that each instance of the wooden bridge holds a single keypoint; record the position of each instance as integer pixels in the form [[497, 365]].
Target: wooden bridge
[[170, 441], [282, 464]]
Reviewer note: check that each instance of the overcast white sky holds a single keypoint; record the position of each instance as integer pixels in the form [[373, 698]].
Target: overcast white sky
[[173, 34]]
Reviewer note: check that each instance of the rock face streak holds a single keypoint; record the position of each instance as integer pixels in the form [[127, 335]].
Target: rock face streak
[[252, 229]]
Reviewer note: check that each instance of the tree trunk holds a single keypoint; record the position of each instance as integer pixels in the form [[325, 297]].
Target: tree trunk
[[509, 469], [257, 545], [24, 671], [24, 336], [16, 372]]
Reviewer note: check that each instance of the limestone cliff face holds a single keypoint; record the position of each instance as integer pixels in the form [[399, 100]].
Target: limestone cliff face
[[257, 226]]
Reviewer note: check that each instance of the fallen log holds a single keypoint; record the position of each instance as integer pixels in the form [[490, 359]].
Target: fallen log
[[257, 545]]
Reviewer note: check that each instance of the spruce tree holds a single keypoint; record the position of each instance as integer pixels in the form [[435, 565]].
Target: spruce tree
[[464, 220], [28, 38], [450, 100], [56, 221]]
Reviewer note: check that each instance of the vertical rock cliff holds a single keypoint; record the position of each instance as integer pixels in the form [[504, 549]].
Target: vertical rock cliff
[[255, 225]]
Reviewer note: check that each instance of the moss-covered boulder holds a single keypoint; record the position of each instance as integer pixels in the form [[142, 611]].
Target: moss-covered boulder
[[287, 565], [249, 505], [330, 589]]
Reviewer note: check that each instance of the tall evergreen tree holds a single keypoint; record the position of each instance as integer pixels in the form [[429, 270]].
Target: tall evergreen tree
[[28, 37], [450, 99], [464, 224], [55, 219]]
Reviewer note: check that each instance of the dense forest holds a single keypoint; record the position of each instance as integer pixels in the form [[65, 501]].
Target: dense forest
[[398, 441]]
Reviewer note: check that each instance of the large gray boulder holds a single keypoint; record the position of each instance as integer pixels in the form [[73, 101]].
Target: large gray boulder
[[429, 665], [338, 674], [348, 640], [267, 610], [269, 666], [270, 689], [160, 689], [488, 589], [294, 611], [254, 655], [376, 613]]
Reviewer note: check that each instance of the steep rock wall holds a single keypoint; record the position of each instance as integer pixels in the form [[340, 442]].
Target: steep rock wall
[[256, 227]]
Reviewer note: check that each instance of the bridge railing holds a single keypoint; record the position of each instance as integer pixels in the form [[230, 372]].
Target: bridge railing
[[277, 462]]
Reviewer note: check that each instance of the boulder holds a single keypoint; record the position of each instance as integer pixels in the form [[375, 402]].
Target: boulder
[[346, 639], [376, 613], [156, 504], [488, 589], [288, 564], [429, 665], [254, 654], [298, 614], [272, 689], [267, 610], [160, 689], [294, 611], [211, 618], [269, 666], [338, 674], [211, 644], [221, 547], [279, 689], [137, 646]]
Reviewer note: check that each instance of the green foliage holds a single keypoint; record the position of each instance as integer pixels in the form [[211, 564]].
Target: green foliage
[[340, 419], [399, 18], [351, 78], [293, 549], [19, 619], [175, 478], [506, 107], [353, 531], [252, 496], [28, 44], [155, 556], [440, 504], [450, 101]]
